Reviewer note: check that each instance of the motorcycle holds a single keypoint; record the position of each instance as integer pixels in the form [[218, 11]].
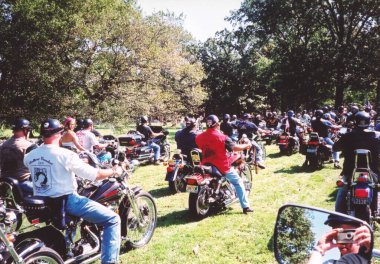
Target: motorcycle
[[176, 171], [362, 195], [137, 210], [209, 190], [317, 152], [288, 144], [136, 148], [270, 135], [29, 251], [298, 230]]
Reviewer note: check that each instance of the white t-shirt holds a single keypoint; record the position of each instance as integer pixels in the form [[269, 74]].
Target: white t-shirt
[[53, 170], [87, 139]]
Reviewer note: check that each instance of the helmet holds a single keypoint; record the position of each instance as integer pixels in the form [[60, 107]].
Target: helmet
[[325, 109], [50, 127], [21, 124], [336, 220], [290, 113], [341, 109], [87, 123], [234, 117], [368, 108], [247, 116], [362, 119], [274, 114], [143, 119], [269, 115], [318, 113], [212, 121], [226, 117], [190, 121], [354, 109]]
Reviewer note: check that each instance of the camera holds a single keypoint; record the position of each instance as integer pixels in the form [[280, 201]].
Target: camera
[[345, 236]]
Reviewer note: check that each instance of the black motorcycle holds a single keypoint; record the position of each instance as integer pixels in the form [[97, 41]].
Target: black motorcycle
[[31, 250], [361, 190], [136, 208], [317, 152], [210, 190], [136, 147]]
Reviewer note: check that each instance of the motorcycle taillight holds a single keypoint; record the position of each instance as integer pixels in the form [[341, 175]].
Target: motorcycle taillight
[[362, 193], [191, 181], [170, 169], [313, 143]]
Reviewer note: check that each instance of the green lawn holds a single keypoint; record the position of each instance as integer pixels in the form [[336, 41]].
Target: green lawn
[[231, 236]]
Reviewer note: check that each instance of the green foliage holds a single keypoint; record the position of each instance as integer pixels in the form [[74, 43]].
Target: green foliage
[[94, 58]]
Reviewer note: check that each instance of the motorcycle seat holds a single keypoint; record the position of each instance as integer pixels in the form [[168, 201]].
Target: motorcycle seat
[[212, 170], [17, 192], [34, 203]]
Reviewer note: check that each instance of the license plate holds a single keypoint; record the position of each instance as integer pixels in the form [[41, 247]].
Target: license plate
[[356, 200], [311, 150], [191, 188]]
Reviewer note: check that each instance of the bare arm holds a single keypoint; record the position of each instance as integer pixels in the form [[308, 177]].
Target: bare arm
[[241, 147], [105, 173], [76, 142]]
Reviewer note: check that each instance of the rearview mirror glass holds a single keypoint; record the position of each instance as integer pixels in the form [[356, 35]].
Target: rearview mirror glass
[[312, 235]]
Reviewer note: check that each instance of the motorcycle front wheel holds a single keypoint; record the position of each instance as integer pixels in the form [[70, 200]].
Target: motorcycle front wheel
[[44, 255], [140, 231], [198, 204]]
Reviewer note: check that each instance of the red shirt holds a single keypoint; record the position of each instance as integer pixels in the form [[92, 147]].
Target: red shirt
[[212, 143]]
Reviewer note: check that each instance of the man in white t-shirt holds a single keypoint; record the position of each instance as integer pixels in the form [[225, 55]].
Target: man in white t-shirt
[[88, 139], [53, 171]]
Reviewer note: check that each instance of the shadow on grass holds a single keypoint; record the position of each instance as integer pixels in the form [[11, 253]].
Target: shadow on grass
[[274, 155], [175, 218], [161, 192], [270, 245], [291, 170], [332, 196]]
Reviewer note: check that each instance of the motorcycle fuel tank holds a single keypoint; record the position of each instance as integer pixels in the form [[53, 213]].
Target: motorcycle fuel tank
[[108, 191]]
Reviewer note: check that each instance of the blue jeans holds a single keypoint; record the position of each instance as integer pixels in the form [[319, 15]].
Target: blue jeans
[[156, 149], [234, 178], [335, 155], [96, 213]]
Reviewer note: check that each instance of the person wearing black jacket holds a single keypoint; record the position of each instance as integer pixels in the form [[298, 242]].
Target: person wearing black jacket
[[185, 138], [358, 138]]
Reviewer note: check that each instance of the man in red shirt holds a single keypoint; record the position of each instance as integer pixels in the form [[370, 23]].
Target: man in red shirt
[[214, 144]]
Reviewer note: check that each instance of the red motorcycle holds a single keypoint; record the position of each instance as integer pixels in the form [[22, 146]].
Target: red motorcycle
[[209, 189], [136, 208]]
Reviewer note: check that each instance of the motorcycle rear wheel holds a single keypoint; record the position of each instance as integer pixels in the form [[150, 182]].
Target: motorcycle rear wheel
[[198, 206], [246, 174], [139, 233], [363, 212], [44, 255]]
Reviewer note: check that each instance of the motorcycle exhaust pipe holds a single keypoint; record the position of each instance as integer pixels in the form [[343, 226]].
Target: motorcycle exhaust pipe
[[230, 201], [89, 253]]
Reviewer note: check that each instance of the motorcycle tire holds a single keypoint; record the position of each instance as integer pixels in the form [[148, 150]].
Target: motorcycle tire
[[313, 162], [138, 234], [178, 185], [262, 145], [198, 206], [363, 212], [246, 174], [44, 255]]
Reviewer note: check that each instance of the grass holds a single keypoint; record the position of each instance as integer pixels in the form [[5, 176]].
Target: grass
[[230, 236]]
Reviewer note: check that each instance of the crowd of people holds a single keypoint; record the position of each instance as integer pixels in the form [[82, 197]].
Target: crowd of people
[[57, 165]]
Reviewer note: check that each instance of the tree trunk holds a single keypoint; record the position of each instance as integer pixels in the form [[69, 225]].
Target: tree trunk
[[339, 93], [378, 100]]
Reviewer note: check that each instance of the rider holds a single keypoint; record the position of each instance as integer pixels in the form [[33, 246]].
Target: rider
[[185, 137], [88, 139], [358, 138], [341, 117], [214, 145], [226, 127], [289, 124], [321, 126], [351, 116], [58, 166], [249, 129], [12, 154], [272, 121], [148, 133]]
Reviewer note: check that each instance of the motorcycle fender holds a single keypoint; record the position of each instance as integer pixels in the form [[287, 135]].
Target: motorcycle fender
[[29, 246], [137, 189], [171, 176]]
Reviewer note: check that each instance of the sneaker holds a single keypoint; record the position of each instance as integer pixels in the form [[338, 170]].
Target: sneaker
[[260, 165], [336, 165], [247, 210]]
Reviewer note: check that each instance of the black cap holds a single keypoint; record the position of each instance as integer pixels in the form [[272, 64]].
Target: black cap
[[336, 220], [50, 127], [87, 123]]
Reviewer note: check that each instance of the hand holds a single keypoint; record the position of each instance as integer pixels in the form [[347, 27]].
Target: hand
[[362, 237], [248, 146], [326, 241], [118, 170]]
